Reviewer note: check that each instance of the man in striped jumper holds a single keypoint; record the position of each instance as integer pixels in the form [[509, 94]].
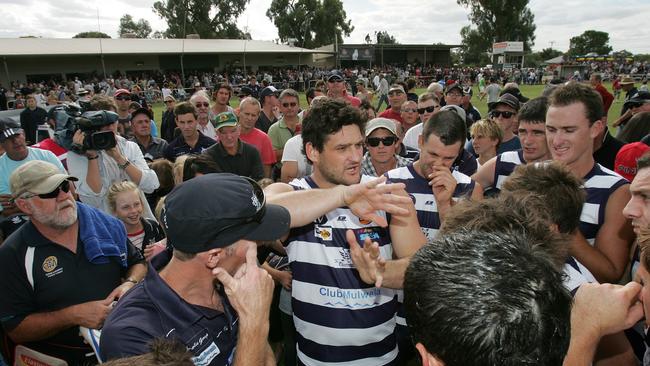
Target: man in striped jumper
[[573, 120], [339, 318], [430, 181], [532, 134]]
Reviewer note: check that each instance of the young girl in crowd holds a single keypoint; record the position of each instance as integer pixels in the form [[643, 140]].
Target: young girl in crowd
[[126, 204], [486, 137]]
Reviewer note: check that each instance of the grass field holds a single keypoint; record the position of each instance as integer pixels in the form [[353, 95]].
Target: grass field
[[530, 91]]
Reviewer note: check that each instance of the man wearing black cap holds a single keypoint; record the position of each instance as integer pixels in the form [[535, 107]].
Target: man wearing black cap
[[639, 102], [504, 113], [64, 268], [17, 153], [269, 101], [336, 89], [152, 147], [220, 323], [253, 86], [168, 124]]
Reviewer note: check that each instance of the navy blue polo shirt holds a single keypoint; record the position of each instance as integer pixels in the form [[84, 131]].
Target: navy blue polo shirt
[[37, 275], [153, 310], [179, 147]]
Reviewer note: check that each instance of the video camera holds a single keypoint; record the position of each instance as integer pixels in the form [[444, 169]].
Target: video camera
[[90, 124]]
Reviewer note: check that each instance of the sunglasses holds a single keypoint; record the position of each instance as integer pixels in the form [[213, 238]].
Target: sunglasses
[[204, 105], [428, 109], [287, 105], [64, 186], [257, 216], [635, 105], [505, 114], [409, 110], [122, 98], [387, 141]]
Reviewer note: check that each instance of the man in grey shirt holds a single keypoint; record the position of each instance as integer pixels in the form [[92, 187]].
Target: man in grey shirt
[[492, 92]]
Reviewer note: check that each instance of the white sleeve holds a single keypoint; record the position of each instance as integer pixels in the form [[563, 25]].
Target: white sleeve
[[149, 181], [411, 136], [291, 150]]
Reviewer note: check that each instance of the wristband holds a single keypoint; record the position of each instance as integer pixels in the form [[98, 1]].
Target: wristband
[[123, 166], [93, 158]]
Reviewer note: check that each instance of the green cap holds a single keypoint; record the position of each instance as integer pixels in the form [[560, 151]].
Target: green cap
[[225, 119]]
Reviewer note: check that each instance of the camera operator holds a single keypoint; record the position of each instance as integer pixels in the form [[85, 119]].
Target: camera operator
[[98, 163]]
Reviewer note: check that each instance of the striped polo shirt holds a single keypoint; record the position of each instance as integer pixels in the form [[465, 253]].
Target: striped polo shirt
[[505, 165], [425, 203], [339, 319], [600, 183], [576, 274]]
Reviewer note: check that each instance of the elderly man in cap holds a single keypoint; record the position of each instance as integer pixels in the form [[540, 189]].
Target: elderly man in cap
[[212, 296], [639, 102], [232, 154], [62, 269], [382, 143], [123, 100], [336, 89], [17, 153], [396, 97], [152, 147], [168, 124]]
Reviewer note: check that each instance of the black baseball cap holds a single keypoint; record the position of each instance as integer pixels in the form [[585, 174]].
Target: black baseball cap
[[516, 92], [335, 75], [639, 97], [245, 92], [455, 86], [8, 128], [144, 111], [509, 100], [229, 208], [269, 90]]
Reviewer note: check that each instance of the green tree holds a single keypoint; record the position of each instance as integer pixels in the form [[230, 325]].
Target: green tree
[[495, 21], [140, 29], [91, 34], [549, 53], [207, 18], [590, 41], [382, 37], [313, 23]]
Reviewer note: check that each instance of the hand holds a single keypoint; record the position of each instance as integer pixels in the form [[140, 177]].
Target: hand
[[250, 290], [365, 199], [6, 202], [602, 309], [120, 290], [154, 249], [442, 185], [285, 278], [115, 153], [93, 313], [78, 137], [367, 260]]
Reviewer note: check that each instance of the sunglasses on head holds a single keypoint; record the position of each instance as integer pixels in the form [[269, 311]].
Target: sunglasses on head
[[169, 101], [428, 109], [205, 105], [287, 105], [387, 141], [505, 114], [64, 186]]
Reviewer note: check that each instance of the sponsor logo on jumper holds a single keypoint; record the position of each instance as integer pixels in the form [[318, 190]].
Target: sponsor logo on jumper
[[206, 357], [350, 298], [324, 233], [371, 234], [342, 218], [49, 264], [345, 261], [199, 342]]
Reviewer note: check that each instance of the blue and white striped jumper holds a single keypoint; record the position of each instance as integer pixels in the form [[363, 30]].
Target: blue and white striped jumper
[[339, 319], [505, 165]]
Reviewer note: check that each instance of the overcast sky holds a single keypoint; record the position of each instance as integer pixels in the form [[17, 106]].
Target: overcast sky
[[410, 21]]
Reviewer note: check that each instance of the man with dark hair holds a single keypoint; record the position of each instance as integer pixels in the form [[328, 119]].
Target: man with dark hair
[[430, 180], [477, 315], [329, 297], [254, 87], [213, 239], [64, 268], [532, 134], [190, 140], [30, 118], [573, 120], [221, 98], [269, 101], [168, 124]]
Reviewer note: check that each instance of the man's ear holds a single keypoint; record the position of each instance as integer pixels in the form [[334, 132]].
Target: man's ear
[[23, 206], [213, 257], [427, 358], [311, 152], [596, 128]]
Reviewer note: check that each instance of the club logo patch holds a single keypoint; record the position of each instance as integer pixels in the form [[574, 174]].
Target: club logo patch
[[49, 264]]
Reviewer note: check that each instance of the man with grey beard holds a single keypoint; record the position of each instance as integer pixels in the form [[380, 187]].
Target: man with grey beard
[[64, 268]]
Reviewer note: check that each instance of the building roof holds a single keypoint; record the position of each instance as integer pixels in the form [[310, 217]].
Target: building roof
[[107, 46], [444, 47]]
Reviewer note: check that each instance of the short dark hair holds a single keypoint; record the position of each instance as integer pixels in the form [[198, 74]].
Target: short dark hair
[[642, 163], [534, 111], [521, 211], [311, 94], [222, 86], [410, 83], [327, 118], [202, 164], [184, 108], [578, 93], [636, 128], [477, 298], [448, 126], [560, 190]]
